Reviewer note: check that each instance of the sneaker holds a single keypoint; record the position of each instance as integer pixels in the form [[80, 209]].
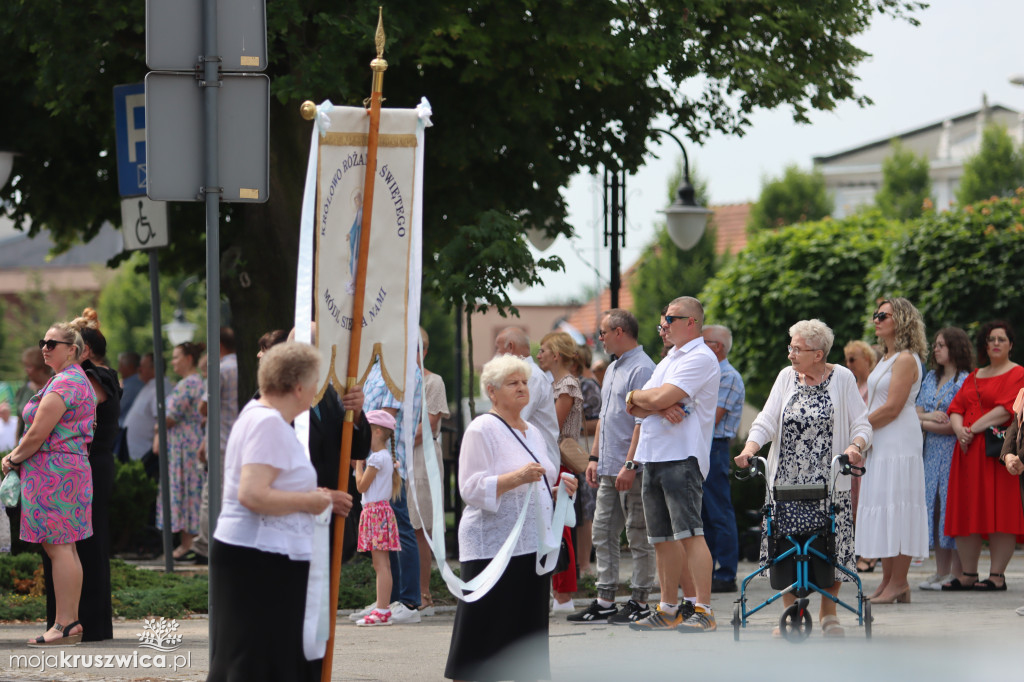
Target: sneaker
[[723, 586], [375, 617], [934, 582], [558, 607], [658, 620], [426, 610], [362, 613], [400, 613], [700, 621], [630, 612], [1019, 610], [595, 613]]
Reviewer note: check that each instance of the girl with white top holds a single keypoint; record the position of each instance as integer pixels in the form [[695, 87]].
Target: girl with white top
[[378, 529]]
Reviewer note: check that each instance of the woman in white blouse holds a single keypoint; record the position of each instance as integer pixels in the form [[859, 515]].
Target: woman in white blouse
[[261, 551], [813, 413], [503, 635]]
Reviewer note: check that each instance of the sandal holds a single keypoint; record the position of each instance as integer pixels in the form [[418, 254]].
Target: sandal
[[830, 627], [955, 585], [64, 640], [866, 565], [989, 585]]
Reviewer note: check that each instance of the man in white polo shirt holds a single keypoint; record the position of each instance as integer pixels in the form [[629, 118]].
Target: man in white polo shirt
[[677, 406]]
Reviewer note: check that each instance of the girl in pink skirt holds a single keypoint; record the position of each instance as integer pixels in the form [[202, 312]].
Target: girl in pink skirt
[[378, 531]]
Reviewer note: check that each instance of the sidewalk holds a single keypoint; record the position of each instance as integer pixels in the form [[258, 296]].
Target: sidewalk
[[939, 636]]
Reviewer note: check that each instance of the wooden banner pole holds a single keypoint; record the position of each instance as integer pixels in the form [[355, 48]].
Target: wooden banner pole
[[379, 66]]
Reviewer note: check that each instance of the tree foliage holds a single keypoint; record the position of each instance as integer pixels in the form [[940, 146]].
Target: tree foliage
[[797, 197], [811, 270], [905, 183], [996, 170], [525, 94], [959, 267]]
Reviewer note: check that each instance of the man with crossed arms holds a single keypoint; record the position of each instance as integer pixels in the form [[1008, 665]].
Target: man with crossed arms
[[677, 408]]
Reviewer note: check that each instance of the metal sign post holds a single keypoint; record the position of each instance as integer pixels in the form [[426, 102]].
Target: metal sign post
[[144, 226]]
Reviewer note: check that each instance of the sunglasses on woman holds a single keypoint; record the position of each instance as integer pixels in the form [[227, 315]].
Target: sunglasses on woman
[[881, 317], [50, 344]]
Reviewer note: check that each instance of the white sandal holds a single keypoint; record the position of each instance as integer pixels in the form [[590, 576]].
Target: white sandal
[[830, 627]]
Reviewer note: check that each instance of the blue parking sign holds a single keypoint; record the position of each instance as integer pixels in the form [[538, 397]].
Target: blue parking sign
[[130, 133]]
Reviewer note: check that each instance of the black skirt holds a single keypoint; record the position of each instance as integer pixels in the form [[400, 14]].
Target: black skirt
[[257, 604], [504, 635]]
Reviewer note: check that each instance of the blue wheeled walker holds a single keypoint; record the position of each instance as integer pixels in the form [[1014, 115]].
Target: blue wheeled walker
[[803, 562]]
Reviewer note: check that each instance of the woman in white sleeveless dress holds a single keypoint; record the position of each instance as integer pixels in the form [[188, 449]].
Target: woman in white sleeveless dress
[[892, 517]]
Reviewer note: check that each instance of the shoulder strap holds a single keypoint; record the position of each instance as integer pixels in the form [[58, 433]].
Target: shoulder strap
[[525, 446]]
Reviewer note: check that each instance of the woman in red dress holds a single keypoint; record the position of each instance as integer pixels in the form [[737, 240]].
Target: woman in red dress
[[984, 499]]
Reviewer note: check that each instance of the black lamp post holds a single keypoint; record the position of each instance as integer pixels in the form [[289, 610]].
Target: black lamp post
[[685, 219]]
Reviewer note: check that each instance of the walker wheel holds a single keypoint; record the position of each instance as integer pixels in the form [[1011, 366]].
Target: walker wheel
[[736, 622], [867, 620], [795, 623]]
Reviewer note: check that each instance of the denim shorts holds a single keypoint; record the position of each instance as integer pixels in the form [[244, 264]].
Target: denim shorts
[[673, 494]]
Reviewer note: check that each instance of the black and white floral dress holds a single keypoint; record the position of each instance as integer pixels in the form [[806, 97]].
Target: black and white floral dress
[[805, 456]]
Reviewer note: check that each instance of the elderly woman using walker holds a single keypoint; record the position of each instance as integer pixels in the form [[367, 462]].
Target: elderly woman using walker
[[813, 413], [504, 634]]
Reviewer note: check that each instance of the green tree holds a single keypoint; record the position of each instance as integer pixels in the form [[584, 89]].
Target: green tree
[[797, 197], [996, 170], [811, 270], [905, 183], [525, 94], [665, 271], [959, 267]]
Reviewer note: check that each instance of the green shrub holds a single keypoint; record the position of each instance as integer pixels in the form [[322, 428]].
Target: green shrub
[[134, 495]]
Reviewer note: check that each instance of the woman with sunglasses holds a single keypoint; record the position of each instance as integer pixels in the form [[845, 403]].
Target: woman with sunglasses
[[56, 480], [892, 518], [983, 502]]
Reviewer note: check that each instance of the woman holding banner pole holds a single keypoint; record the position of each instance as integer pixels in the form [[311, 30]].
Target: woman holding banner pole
[[502, 456]]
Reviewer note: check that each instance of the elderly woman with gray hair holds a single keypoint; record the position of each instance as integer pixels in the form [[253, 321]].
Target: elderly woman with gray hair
[[813, 413], [502, 456]]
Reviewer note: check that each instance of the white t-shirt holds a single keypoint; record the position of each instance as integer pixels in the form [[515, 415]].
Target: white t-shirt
[[262, 436], [380, 488], [693, 368]]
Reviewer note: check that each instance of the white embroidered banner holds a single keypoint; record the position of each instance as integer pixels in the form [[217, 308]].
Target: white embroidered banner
[[339, 202]]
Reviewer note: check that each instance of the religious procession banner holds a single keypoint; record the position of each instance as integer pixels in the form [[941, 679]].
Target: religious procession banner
[[391, 298]]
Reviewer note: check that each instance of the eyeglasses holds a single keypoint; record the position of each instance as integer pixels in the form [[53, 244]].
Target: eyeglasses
[[662, 328], [669, 319], [881, 317], [793, 349], [601, 333], [50, 344], [998, 339]]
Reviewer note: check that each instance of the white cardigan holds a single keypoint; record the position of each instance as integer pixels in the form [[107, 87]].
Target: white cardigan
[[851, 418]]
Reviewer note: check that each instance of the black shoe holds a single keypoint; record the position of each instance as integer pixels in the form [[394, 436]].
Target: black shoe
[[187, 557], [201, 560], [723, 586], [630, 612], [595, 613]]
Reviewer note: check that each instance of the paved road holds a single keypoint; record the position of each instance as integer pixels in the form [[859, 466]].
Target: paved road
[[940, 636]]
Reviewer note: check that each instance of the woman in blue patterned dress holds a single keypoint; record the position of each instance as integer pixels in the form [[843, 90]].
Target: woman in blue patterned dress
[[56, 480], [184, 436], [951, 362]]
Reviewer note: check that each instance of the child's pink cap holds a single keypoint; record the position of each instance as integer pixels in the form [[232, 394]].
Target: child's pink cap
[[381, 418]]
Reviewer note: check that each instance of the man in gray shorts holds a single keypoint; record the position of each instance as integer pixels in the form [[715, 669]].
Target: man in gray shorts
[[677, 406]]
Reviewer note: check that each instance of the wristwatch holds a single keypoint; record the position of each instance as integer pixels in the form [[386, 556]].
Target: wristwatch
[[631, 465]]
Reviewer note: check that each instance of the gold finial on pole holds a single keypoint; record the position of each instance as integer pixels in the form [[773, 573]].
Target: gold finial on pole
[[379, 65], [308, 110]]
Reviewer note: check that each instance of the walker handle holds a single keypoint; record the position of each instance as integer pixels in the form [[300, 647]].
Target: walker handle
[[757, 467], [847, 469]]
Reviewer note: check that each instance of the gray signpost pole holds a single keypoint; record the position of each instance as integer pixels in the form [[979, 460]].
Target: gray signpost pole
[[161, 410], [211, 195]]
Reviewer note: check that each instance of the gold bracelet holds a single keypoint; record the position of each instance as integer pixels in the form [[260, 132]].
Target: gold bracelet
[[629, 399]]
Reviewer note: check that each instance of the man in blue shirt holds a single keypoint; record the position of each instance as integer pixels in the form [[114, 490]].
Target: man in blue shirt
[[718, 515]]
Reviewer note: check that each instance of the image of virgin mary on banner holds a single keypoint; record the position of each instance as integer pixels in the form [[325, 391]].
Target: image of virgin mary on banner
[[390, 262]]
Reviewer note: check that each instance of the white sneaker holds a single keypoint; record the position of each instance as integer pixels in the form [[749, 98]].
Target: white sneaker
[[934, 582], [362, 613], [567, 607], [1020, 610], [400, 613], [427, 610]]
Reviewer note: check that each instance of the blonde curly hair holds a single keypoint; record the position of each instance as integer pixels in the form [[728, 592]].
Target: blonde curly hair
[[910, 334]]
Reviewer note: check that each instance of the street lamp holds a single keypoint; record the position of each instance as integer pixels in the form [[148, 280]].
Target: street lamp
[[685, 219], [179, 330]]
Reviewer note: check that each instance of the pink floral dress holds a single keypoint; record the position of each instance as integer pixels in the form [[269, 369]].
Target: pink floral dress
[[56, 482]]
